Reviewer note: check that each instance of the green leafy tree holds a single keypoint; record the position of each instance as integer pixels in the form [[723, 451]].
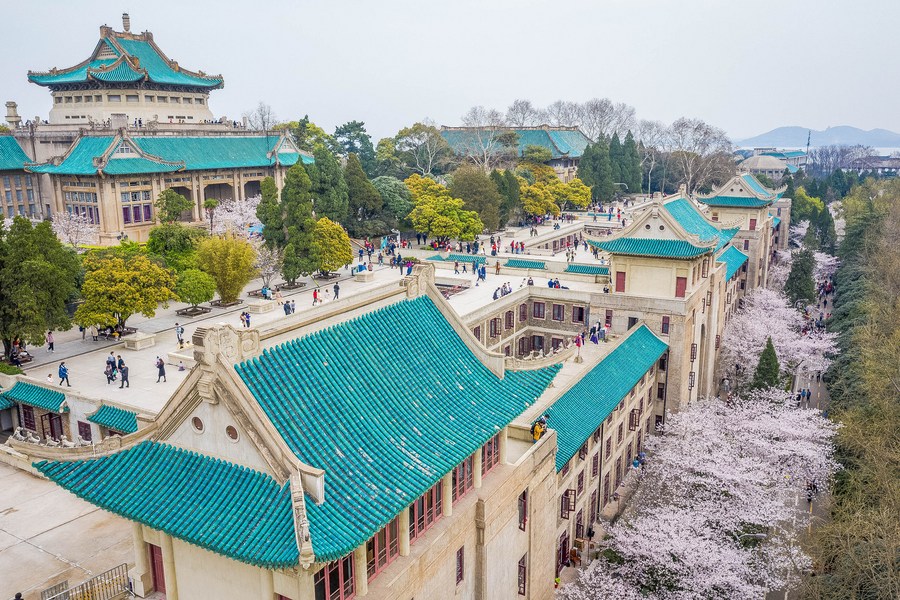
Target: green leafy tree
[[438, 214], [331, 246], [800, 285], [229, 261], [824, 227], [396, 197], [508, 187], [307, 134], [270, 214], [631, 164], [616, 159], [210, 205], [479, 193], [767, 372], [170, 205], [116, 287], [38, 275], [536, 154], [297, 210], [805, 207], [351, 138], [195, 287], [176, 244], [537, 199], [387, 159], [595, 170], [365, 201], [422, 149], [328, 187]]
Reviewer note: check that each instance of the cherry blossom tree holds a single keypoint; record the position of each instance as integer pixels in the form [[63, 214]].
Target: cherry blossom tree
[[826, 265], [268, 261], [780, 269], [236, 216], [715, 511], [797, 233], [73, 228], [767, 313]]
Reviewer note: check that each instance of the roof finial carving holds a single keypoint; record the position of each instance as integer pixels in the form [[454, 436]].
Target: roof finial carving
[[126, 23]]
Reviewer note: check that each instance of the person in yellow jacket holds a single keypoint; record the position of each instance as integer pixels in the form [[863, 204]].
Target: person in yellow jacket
[[538, 428]]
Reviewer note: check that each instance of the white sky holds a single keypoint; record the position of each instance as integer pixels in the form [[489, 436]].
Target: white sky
[[747, 67]]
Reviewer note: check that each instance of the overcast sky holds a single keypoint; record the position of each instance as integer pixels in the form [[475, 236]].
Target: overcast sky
[[747, 67]]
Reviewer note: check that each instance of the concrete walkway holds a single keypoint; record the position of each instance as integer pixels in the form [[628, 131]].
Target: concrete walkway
[[48, 535]]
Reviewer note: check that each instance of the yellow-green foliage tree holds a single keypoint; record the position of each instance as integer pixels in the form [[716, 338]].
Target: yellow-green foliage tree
[[537, 200], [330, 246], [805, 207], [118, 286], [229, 260], [546, 188], [438, 214]]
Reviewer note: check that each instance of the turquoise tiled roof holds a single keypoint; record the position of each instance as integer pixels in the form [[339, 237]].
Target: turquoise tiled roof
[[36, 396], [117, 419], [776, 221], [758, 188], [518, 263], [386, 404], [6, 402], [690, 219], [217, 505], [587, 269], [658, 248], [12, 157], [173, 153], [579, 412], [733, 259], [735, 201], [462, 258], [562, 143], [726, 236], [150, 65]]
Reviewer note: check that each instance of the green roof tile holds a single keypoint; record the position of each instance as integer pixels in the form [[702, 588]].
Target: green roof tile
[[587, 269], [733, 259], [116, 73], [12, 157], [658, 248], [117, 419], [776, 221], [690, 219], [579, 412], [462, 258], [518, 263], [220, 506], [386, 404], [36, 396], [735, 202], [758, 188], [6, 402], [562, 143]]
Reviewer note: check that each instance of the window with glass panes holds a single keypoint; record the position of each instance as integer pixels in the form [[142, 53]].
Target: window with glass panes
[[595, 465], [537, 310], [137, 206], [592, 511], [523, 573], [580, 484], [82, 203], [335, 580], [523, 509], [490, 454], [608, 448], [425, 511], [460, 564], [579, 524], [463, 477], [382, 548]]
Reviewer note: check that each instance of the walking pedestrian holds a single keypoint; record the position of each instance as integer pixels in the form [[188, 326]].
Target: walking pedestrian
[[247, 319], [179, 333], [287, 308], [120, 362], [94, 332], [49, 338], [160, 370], [64, 374], [315, 297], [110, 373], [124, 372], [337, 290], [293, 306], [243, 319]]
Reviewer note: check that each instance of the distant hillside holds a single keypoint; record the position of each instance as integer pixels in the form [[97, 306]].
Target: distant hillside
[[795, 137]]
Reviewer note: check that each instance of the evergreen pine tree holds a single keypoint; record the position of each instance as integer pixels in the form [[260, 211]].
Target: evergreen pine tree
[[329, 190], [767, 371], [364, 200], [297, 211], [633, 164], [269, 213], [594, 170], [826, 232], [800, 285], [616, 160]]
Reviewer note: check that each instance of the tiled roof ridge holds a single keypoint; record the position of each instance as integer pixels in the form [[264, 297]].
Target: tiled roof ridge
[[60, 159], [91, 58], [92, 72], [147, 37], [180, 164], [665, 215]]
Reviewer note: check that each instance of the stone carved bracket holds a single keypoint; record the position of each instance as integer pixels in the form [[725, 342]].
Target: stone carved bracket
[[301, 523]]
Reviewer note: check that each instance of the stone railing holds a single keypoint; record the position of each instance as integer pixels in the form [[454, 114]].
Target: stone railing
[[539, 360]]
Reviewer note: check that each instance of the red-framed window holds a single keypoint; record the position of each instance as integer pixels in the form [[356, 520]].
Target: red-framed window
[[510, 319], [564, 471], [523, 313], [460, 564], [620, 434], [665, 325], [580, 484], [537, 310], [335, 580], [523, 573], [84, 430], [490, 454], [556, 342], [523, 345], [595, 465], [634, 418], [566, 503], [578, 314], [618, 471], [608, 448], [425, 511], [477, 333], [579, 524], [537, 342], [27, 413], [746, 247], [620, 281], [523, 509], [752, 224], [463, 478], [583, 451], [495, 327], [680, 287], [559, 312], [597, 435], [605, 490], [593, 509], [382, 548]]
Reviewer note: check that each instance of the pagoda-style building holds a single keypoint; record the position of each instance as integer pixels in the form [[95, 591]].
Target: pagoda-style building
[[127, 77]]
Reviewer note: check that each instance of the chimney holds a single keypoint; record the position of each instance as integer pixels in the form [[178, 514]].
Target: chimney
[[126, 23]]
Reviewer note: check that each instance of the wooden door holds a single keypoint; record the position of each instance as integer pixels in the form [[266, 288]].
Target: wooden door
[[156, 568], [680, 286], [620, 281]]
